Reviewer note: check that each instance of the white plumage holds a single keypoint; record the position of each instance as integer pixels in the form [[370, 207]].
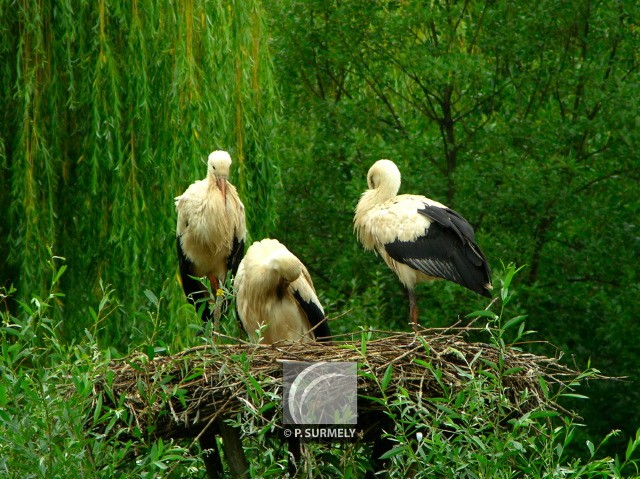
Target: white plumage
[[275, 297], [211, 229], [419, 239]]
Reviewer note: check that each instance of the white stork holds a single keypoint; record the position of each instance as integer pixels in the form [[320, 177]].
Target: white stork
[[276, 301], [211, 230], [419, 239], [275, 297]]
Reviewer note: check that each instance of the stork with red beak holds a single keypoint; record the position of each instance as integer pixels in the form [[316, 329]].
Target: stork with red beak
[[419, 239], [275, 297], [211, 231]]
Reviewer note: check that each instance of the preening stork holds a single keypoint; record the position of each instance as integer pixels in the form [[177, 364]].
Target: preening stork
[[275, 297], [419, 239], [211, 230], [276, 301]]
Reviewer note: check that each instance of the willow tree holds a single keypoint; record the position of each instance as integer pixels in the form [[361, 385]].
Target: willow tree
[[109, 109]]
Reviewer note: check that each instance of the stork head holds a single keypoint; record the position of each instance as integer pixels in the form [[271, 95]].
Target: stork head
[[286, 265], [218, 166], [384, 177], [274, 260]]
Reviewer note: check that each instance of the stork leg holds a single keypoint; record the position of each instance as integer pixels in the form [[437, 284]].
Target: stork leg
[[295, 455], [233, 451], [215, 284], [214, 303], [413, 309], [211, 456]]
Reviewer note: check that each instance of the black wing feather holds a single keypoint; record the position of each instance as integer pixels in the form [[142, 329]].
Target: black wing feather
[[447, 250], [233, 263], [194, 290], [237, 253], [316, 317]]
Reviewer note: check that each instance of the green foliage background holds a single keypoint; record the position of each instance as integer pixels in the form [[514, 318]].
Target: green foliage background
[[522, 116], [109, 111]]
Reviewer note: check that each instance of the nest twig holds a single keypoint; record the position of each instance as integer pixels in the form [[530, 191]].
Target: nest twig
[[180, 395]]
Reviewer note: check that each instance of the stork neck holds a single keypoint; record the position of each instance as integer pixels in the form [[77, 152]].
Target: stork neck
[[384, 192], [288, 269]]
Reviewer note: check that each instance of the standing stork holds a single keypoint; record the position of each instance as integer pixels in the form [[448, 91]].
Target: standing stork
[[275, 297], [210, 237], [211, 230], [419, 239]]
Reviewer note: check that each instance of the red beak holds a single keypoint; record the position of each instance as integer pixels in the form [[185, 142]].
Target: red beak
[[222, 184]]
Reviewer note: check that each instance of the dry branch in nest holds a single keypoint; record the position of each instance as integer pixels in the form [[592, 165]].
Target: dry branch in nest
[[177, 396]]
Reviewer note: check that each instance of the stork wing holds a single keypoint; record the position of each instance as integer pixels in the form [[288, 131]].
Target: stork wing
[[305, 295], [194, 290], [237, 253], [447, 250], [449, 219], [236, 210]]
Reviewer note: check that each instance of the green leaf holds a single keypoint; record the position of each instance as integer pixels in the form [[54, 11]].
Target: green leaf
[[150, 351], [267, 407], [425, 344], [513, 321], [386, 378], [632, 446], [490, 363], [504, 294], [256, 386], [483, 313], [98, 409], [539, 414], [376, 400], [544, 386], [450, 412], [394, 451], [59, 273], [592, 449], [510, 273], [103, 302], [421, 362], [520, 331], [160, 465], [488, 374], [574, 395], [151, 296], [366, 374], [142, 388], [461, 397]]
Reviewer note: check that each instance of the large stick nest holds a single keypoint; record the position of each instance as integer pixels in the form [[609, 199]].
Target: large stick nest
[[178, 396]]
